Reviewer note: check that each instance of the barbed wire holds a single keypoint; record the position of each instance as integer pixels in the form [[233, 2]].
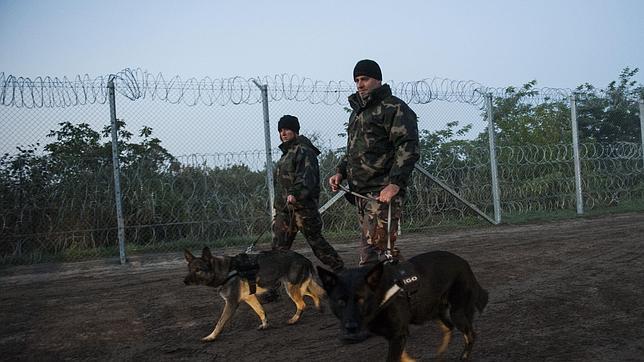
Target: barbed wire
[[537, 96], [207, 204], [135, 84], [252, 158]]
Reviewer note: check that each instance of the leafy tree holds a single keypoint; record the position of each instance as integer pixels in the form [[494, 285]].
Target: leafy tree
[[76, 153], [69, 186], [611, 114], [455, 161], [440, 148], [524, 116], [519, 121], [147, 153], [23, 177]]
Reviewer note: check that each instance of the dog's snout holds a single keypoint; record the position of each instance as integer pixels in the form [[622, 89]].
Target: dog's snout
[[351, 327]]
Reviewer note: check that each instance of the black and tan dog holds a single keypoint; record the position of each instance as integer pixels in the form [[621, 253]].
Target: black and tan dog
[[294, 271], [388, 297]]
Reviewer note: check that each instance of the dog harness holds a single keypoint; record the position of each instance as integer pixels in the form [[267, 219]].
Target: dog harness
[[245, 266], [405, 279]]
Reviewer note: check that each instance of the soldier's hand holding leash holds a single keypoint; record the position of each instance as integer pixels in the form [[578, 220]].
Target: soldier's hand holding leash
[[334, 182], [388, 193]]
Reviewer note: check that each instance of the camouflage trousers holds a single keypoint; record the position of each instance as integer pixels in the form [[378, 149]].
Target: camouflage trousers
[[287, 223], [373, 217]]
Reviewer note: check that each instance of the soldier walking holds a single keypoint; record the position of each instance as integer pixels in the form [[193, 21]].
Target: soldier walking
[[382, 148], [297, 195]]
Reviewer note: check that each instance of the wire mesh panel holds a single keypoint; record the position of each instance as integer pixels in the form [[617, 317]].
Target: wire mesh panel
[[193, 162], [211, 184], [56, 181], [612, 173]]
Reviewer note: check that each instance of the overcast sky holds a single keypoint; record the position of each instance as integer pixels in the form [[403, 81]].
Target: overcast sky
[[497, 43]]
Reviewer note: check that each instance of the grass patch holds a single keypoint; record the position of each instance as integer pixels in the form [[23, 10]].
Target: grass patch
[[335, 237], [553, 215]]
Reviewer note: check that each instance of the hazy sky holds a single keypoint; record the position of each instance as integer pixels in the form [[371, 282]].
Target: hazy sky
[[559, 43]]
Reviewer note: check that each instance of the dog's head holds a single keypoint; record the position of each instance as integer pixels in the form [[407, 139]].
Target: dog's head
[[207, 269], [354, 295]]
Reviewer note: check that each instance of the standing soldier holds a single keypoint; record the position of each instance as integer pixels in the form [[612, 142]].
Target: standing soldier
[[382, 148]]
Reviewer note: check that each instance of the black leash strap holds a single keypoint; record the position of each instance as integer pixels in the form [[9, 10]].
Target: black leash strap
[[252, 245]]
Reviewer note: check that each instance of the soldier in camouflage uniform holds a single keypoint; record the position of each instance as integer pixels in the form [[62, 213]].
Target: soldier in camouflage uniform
[[382, 148], [297, 195]]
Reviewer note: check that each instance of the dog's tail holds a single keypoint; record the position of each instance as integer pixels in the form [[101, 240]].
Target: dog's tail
[[482, 299]]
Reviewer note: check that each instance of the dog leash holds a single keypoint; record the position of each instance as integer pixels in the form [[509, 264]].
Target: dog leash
[[346, 189], [252, 245], [388, 255]]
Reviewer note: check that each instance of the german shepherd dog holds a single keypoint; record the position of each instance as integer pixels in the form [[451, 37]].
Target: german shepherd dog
[[386, 298], [294, 271]]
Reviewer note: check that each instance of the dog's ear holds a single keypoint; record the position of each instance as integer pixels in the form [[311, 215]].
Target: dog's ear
[[188, 255], [328, 278], [205, 253], [374, 276]]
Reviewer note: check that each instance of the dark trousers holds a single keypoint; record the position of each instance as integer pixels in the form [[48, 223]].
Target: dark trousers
[[287, 223]]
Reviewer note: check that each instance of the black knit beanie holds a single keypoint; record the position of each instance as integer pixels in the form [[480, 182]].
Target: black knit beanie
[[369, 68], [289, 122]]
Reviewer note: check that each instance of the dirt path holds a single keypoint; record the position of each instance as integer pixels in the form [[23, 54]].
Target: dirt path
[[561, 291]]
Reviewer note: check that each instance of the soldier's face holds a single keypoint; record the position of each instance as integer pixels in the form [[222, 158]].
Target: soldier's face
[[366, 84], [287, 135]]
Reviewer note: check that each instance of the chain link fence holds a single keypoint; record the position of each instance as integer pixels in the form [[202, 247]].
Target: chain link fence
[[193, 160]]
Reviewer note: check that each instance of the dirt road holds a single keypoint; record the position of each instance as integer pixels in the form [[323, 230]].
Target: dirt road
[[561, 291]]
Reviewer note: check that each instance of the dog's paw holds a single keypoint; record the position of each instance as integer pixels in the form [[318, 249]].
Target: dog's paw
[[208, 339], [262, 327], [293, 320]]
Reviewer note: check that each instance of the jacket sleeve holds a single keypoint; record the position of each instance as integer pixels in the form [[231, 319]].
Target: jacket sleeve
[[341, 168], [307, 174], [404, 137]]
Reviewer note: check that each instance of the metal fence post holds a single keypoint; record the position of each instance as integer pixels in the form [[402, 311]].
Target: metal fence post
[[642, 126], [267, 143], [575, 152], [118, 197], [496, 195]]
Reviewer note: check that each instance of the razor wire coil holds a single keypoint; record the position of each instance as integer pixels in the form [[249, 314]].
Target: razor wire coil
[[207, 198], [134, 84]]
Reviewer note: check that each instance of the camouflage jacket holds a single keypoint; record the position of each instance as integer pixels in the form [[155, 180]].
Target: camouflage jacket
[[298, 174], [382, 142]]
